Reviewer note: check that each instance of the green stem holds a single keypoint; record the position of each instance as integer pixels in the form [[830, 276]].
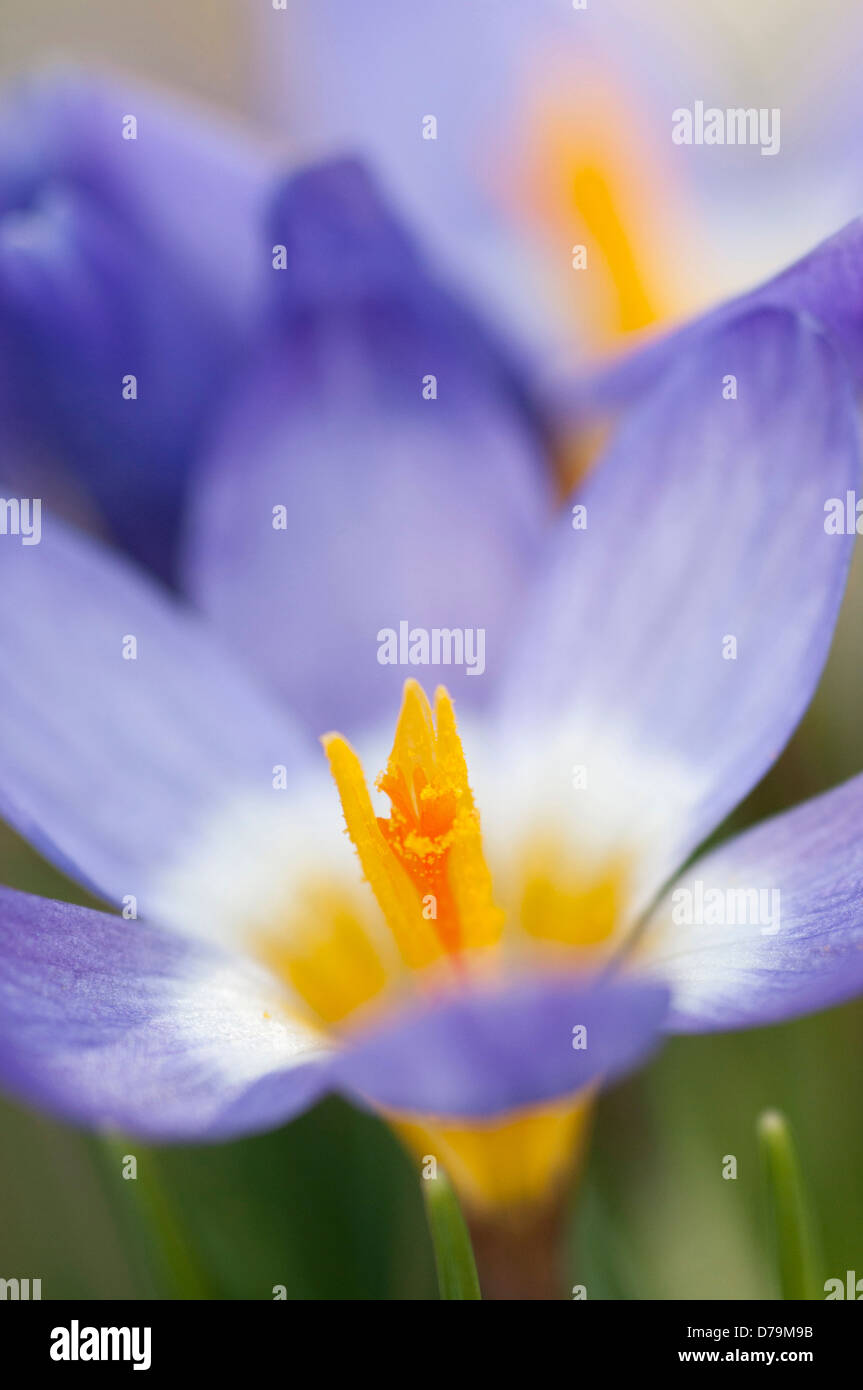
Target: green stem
[[453, 1253], [792, 1231]]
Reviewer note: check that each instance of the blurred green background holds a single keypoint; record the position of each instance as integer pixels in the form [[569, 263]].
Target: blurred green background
[[330, 1207]]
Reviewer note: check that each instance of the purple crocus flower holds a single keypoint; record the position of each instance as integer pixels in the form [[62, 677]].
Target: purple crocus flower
[[493, 938], [513, 130]]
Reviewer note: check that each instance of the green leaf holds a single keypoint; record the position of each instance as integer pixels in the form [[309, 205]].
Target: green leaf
[[791, 1226], [453, 1252], [149, 1218]]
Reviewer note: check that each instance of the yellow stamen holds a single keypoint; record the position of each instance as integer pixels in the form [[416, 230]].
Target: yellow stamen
[[424, 861], [598, 205], [588, 178], [391, 885]]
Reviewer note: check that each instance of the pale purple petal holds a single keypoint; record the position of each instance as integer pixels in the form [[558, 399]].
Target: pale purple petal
[[674, 643], [770, 925], [111, 765], [113, 1024], [340, 500], [491, 1051]]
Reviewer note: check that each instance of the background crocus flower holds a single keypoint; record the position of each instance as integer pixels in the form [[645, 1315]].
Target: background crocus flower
[[176, 788], [541, 137], [125, 251], [554, 127]]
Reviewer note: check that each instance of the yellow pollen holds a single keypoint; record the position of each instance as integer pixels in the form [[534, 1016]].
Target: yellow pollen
[[424, 862]]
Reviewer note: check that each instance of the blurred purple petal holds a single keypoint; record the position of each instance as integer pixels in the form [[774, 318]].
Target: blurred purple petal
[[120, 258], [826, 285], [496, 1050], [689, 622], [394, 507], [785, 935], [113, 1024]]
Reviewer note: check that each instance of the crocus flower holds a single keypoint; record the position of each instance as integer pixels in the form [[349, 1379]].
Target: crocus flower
[[510, 132], [553, 127], [490, 941]]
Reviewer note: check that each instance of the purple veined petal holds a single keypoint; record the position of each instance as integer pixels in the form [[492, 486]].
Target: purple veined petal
[[769, 926], [339, 501], [674, 643], [131, 272], [124, 726], [826, 285], [492, 1050], [115, 1024]]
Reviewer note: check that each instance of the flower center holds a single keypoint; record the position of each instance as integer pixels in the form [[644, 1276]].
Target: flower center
[[425, 865]]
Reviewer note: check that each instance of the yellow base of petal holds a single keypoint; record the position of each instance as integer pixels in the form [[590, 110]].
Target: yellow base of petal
[[512, 1162]]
